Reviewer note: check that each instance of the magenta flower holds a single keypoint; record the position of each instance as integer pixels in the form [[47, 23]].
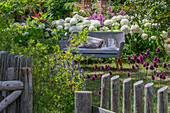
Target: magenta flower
[[158, 49], [157, 74], [112, 14], [147, 63], [99, 92], [118, 59], [39, 14], [101, 68], [44, 20], [110, 72], [132, 90], [100, 15], [133, 67], [163, 77], [93, 78], [151, 67], [158, 59], [144, 57], [99, 88], [108, 66], [110, 8], [95, 75], [135, 57], [153, 78], [89, 18], [160, 75], [155, 58], [143, 78], [131, 10], [137, 66], [88, 75], [141, 57], [128, 57], [128, 74], [138, 60], [103, 19], [94, 15], [148, 52], [94, 91], [23, 17], [96, 66], [146, 67], [121, 68], [100, 75], [164, 65]]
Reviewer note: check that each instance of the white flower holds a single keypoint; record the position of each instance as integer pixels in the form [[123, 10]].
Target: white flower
[[16, 24], [105, 28], [144, 36], [86, 22], [147, 25], [95, 23], [125, 29], [67, 26], [54, 22], [59, 27], [73, 21], [92, 28], [67, 20], [124, 22], [26, 33], [135, 39], [53, 33], [23, 24], [153, 37], [140, 31], [126, 17], [119, 17], [47, 35], [135, 28], [48, 29], [132, 17], [114, 19], [145, 21], [108, 22], [60, 22], [73, 28], [42, 26], [78, 17], [80, 26], [165, 33], [116, 24]]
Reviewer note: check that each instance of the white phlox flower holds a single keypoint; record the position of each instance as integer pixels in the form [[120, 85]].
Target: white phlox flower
[[108, 22], [144, 36], [95, 23], [67, 26], [153, 37], [124, 22], [67, 20], [59, 27], [92, 28], [73, 21], [73, 28], [125, 29]]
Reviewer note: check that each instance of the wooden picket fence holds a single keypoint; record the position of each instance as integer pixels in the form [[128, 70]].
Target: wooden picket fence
[[83, 99], [16, 95]]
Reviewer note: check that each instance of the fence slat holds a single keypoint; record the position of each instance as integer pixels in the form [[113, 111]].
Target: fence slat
[[100, 110], [127, 96], [26, 103], [29, 61], [149, 105], [105, 91], [138, 97], [10, 85], [16, 67], [83, 101], [115, 94], [163, 100]]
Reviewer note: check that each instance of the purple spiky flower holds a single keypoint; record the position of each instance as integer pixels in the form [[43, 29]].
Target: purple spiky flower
[[158, 49], [128, 74]]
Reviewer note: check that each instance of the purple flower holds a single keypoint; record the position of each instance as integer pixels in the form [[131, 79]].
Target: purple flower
[[110, 8], [157, 74], [147, 63], [144, 57], [110, 72], [96, 66], [102, 68], [93, 78], [148, 52], [103, 19], [94, 91], [158, 59], [132, 90], [112, 14], [128, 74], [64, 64], [155, 58], [98, 18], [164, 65], [163, 77], [78, 66], [135, 57], [54, 56], [68, 63], [143, 78], [88, 75], [118, 59], [151, 67], [138, 60], [90, 18], [137, 66], [153, 78], [158, 49], [99, 92], [128, 57], [121, 68], [131, 10], [84, 84], [99, 88], [72, 72], [133, 67], [100, 75], [94, 15], [100, 15], [141, 57], [146, 67], [72, 64], [160, 75], [108, 66], [95, 75], [154, 72], [154, 64]]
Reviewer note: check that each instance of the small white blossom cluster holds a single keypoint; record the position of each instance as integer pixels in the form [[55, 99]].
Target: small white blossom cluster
[[125, 29], [144, 36]]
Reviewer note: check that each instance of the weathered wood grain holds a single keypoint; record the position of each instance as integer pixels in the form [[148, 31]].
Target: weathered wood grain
[[115, 94], [83, 102], [29, 61], [100, 110], [10, 85]]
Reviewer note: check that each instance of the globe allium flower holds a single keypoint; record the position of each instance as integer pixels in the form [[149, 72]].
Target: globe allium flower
[[137, 66], [154, 72], [164, 65], [72, 29], [99, 92], [99, 88], [133, 67], [138, 60], [93, 78], [101, 75], [157, 74], [110, 8], [146, 67], [94, 91], [128, 74], [67, 20], [128, 57], [121, 68], [151, 67], [101, 68], [125, 29], [163, 77], [124, 22], [144, 57], [108, 66], [148, 52], [118, 59], [95, 23], [132, 90], [158, 59], [92, 28], [100, 15], [153, 78], [95, 75], [147, 63], [135, 57], [94, 15], [144, 36], [153, 37], [155, 58], [143, 78], [135, 28], [88, 75], [110, 72], [96, 66]]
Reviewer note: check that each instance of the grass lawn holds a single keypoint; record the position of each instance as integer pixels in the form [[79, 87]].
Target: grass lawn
[[94, 85]]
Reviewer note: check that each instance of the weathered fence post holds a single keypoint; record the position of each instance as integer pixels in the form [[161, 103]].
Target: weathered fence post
[[138, 97], [105, 91], [149, 105], [26, 104], [83, 102], [127, 96], [163, 100], [115, 93]]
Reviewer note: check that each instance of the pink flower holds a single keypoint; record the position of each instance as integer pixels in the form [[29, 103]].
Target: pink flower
[[32, 11], [90, 18], [94, 91], [94, 15], [112, 14], [39, 14], [23, 17], [44, 20], [131, 10], [75, 12], [100, 15], [36, 15], [110, 8]]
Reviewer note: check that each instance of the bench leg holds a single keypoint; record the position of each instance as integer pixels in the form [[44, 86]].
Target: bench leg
[[117, 65]]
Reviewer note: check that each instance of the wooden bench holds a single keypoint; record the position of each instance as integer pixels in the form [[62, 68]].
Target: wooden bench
[[106, 52]]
